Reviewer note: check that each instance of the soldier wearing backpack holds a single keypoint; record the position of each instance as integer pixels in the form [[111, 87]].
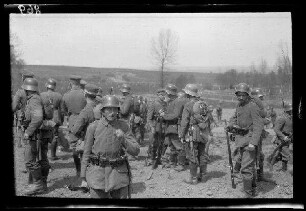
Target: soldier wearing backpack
[[105, 167], [52, 100]]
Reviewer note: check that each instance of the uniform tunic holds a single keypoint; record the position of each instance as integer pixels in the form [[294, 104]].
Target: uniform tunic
[[101, 139], [283, 127]]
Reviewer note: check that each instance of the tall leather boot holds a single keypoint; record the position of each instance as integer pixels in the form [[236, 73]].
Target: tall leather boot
[[248, 188], [30, 178], [44, 174], [203, 173], [284, 166], [77, 163], [192, 180], [181, 162], [38, 185], [53, 149]]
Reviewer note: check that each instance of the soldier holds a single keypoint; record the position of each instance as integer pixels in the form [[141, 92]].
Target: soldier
[[72, 104], [55, 99], [156, 135], [272, 114], [283, 130], [219, 112], [105, 168], [36, 147], [249, 125], [78, 130], [18, 106], [195, 147], [126, 105], [210, 115], [171, 117]]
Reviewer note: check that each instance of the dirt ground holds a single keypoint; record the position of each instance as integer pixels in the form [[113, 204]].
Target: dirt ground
[[167, 183]]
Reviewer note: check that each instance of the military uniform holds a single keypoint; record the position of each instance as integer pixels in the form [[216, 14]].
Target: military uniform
[[247, 116], [18, 106], [283, 128], [143, 115], [154, 149], [36, 156], [219, 112], [104, 162], [56, 99], [172, 116], [272, 114]]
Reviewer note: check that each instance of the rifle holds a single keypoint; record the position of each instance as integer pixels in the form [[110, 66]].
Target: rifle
[[271, 158], [230, 159]]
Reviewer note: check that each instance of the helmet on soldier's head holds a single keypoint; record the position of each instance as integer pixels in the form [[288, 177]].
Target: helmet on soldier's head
[[51, 83], [110, 101], [171, 89], [191, 89], [287, 106], [125, 88], [181, 94], [30, 84], [27, 75], [257, 92], [242, 87]]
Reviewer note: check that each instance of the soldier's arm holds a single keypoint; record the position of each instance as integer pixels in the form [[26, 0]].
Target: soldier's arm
[[129, 142], [16, 102], [89, 141], [78, 126], [279, 124], [35, 113], [150, 114], [258, 125], [184, 122]]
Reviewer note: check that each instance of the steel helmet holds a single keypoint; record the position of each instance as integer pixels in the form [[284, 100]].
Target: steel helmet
[[257, 92], [110, 101], [30, 84], [242, 87], [125, 88], [27, 75], [191, 89], [287, 106], [171, 89], [181, 94], [51, 83]]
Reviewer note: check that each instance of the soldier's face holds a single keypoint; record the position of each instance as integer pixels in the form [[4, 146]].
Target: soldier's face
[[110, 113], [242, 97]]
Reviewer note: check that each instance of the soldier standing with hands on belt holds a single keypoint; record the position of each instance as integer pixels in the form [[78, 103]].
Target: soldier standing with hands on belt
[[78, 130], [249, 125], [105, 168], [72, 104]]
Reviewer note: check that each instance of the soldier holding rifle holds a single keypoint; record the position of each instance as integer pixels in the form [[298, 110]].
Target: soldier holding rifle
[[248, 126]]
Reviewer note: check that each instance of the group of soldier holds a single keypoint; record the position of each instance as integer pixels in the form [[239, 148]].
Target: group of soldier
[[105, 133]]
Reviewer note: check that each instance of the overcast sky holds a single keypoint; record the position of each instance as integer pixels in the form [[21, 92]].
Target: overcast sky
[[124, 40]]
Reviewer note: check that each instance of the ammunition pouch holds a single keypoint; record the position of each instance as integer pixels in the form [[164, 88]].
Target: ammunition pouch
[[104, 162]]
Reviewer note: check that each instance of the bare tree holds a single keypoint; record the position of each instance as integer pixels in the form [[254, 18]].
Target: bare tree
[[164, 50]]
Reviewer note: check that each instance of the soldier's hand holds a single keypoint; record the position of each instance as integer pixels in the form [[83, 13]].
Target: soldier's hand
[[250, 147], [119, 133], [84, 183]]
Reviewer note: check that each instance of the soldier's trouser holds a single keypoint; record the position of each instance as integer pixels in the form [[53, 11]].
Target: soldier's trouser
[[19, 136], [285, 153], [237, 160], [201, 158], [248, 169], [54, 142], [177, 152], [77, 158], [157, 145], [121, 193]]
